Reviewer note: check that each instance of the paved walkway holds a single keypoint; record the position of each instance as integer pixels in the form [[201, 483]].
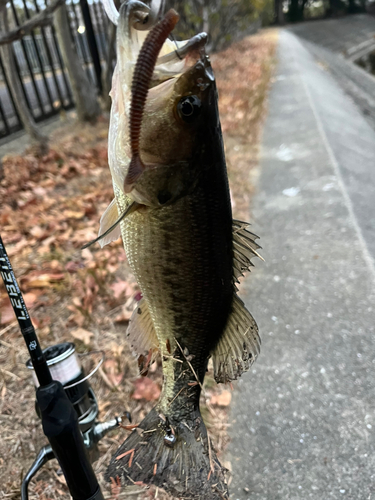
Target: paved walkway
[[304, 417], [355, 81], [351, 35]]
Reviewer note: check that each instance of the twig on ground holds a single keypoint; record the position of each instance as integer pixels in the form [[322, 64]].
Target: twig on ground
[[190, 365], [124, 454]]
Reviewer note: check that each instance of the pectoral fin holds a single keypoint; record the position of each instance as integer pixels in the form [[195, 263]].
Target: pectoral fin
[[110, 229], [244, 249], [239, 345], [107, 220], [141, 333]]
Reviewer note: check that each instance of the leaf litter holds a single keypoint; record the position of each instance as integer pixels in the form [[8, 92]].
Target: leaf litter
[[50, 207]]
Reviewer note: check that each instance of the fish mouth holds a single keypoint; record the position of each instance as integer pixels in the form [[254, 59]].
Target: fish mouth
[[197, 78], [190, 86], [175, 63], [135, 20]]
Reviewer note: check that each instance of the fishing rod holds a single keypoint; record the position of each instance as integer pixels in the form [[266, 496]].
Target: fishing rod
[[58, 408]]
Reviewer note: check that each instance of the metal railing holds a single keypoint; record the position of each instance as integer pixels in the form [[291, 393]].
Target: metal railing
[[39, 64]]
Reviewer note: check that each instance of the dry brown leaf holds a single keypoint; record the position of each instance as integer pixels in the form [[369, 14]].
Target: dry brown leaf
[[121, 288], [30, 298], [71, 214], [74, 266], [78, 318], [17, 247], [37, 231], [87, 255], [45, 245], [6, 314], [104, 405], [222, 399], [147, 389], [39, 191], [82, 334], [110, 367], [44, 280]]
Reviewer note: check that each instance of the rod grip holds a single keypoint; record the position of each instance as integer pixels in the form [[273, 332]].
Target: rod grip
[[60, 425]]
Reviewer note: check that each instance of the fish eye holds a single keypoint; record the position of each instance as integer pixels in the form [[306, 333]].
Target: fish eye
[[189, 107]]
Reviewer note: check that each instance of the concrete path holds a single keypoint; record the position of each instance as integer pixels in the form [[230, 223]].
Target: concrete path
[[355, 81], [351, 36], [303, 420]]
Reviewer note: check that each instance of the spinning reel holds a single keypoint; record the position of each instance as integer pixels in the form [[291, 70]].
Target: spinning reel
[[65, 366], [65, 402]]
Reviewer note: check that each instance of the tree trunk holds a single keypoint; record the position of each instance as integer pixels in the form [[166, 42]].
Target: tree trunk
[[107, 74], [84, 93], [27, 119], [295, 12], [351, 7], [279, 13]]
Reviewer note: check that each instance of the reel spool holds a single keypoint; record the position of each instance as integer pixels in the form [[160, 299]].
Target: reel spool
[[65, 366]]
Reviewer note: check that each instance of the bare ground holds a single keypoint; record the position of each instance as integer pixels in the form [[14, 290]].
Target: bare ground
[[50, 207]]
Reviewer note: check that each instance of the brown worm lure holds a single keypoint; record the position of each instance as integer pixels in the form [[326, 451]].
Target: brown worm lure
[[143, 71]]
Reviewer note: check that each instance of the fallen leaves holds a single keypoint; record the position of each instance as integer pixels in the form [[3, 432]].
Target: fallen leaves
[[115, 487], [20, 245], [44, 280], [71, 214], [121, 288], [242, 73], [30, 299], [147, 389], [7, 314], [38, 232], [222, 399], [52, 207], [82, 335], [112, 369]]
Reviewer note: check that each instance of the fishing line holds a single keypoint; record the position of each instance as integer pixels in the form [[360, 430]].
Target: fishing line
[[173, 38], [128, 211]]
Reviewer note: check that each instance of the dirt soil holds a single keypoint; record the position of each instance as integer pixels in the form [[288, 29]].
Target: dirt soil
[[50, 207]]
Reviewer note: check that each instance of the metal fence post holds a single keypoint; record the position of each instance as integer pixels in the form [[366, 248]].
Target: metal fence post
[[92, 42]]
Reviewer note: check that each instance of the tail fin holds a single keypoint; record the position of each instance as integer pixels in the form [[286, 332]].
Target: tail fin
[[178, 458]]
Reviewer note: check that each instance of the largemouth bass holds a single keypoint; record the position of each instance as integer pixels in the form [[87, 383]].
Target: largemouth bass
[[186, 251]]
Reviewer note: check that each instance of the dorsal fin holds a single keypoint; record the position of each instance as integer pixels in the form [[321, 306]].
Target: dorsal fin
[[239, 345], [244, 249]]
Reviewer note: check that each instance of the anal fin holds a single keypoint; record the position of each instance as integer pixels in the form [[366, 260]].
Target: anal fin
[[239, 345]]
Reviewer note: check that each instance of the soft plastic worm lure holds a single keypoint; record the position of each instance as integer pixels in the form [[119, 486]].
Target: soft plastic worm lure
[[143, 71]]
